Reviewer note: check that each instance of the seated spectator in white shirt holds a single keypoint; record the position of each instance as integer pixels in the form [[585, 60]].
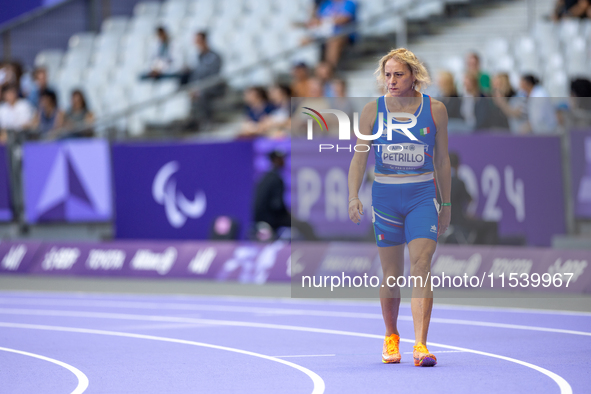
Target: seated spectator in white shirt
[[540, 110], [161, 62], [15, 113]]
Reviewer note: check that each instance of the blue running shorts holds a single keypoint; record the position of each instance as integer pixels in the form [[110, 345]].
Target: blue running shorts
[[403, 212]]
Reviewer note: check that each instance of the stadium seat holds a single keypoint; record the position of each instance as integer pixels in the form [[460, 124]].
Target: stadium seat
[[202, 11], [576, 52], [568, 28], [51, 60], [165, 87], [115, 25], [81, 41], [177, 107], [557, 84], [147, 9]]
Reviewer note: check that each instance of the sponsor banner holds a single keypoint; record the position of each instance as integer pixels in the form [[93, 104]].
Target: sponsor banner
[[5, 203], [580, 160], [18, 256], [67, 181], [223, 261], [176, 190], [497, 268], [515, 180], [515, 268]]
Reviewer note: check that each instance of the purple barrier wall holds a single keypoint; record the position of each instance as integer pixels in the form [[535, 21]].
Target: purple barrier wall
[[515, 180], [580, 146], [260, 263], [176, 190], [5, 202], [320, 189], [243, 262], [67, 181]]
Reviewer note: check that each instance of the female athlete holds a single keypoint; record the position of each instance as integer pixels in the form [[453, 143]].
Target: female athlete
[[404, 206]]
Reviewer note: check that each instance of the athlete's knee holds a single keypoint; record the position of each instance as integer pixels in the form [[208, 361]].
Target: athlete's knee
[[421, 264]]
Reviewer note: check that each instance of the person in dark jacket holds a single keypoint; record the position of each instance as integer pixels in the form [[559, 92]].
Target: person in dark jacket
[[269, 206]]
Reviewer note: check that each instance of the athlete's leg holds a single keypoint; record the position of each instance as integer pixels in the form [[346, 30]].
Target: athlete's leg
[[334, 47], [392, 259], [421, 252]]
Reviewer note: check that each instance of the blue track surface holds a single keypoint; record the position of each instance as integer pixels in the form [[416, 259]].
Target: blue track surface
[[171, 344]]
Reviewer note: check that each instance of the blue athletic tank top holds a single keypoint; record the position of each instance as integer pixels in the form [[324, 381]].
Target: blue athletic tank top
[[401, 155]]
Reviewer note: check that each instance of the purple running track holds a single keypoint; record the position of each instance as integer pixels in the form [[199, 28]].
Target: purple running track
[[177, 344]]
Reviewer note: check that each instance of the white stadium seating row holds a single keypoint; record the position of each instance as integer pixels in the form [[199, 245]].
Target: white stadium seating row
[[107, 66]]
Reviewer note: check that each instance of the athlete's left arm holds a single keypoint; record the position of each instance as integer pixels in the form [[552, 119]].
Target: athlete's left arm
[[441, 163]]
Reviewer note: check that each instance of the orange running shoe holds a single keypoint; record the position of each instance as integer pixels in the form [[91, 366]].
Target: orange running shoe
[[422, 356], [390, 352]]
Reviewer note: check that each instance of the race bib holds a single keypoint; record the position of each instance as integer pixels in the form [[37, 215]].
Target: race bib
[[403, 156]]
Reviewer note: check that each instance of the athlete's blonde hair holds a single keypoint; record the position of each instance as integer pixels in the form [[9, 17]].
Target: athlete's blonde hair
[[404, 56]]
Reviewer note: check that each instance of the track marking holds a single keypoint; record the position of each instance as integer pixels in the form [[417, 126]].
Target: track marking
[[565, 388], [441, 351], [291, 301], [308, 355], [319, 385], [294, 312], [29, 296], [82, 378]]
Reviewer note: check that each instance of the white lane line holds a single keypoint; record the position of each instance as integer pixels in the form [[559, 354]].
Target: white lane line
[[308, 355], [319, 385], [29, 295], [440, 351], [82, 379], [303, 312], [562, 384]]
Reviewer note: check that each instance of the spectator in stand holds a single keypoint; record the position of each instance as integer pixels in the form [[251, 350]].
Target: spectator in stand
[[161, 59], [258, 109], [277, 123], [473, 67], [15, 113], [461, 220], [78, 118], [209, 65], [512, 104], [572, 9], [317, 101], [340, 100], [269, 206], [10, 74], [472, 95], [300, 77], [580, 103], [331, 21], [449, 94], [48, 116], [541, 113], [324, 73], [40, 85]]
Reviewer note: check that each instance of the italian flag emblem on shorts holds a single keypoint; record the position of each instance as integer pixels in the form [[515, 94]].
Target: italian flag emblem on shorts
[[424, 131], [380, 237]]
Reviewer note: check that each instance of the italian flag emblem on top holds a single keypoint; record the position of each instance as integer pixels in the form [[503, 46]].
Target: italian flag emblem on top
[[424, 131]]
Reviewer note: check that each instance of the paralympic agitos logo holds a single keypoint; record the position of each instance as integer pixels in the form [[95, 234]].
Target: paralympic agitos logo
[[345, 124]]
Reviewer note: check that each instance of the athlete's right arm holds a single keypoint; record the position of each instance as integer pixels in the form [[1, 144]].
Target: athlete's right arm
[[359, 161]]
